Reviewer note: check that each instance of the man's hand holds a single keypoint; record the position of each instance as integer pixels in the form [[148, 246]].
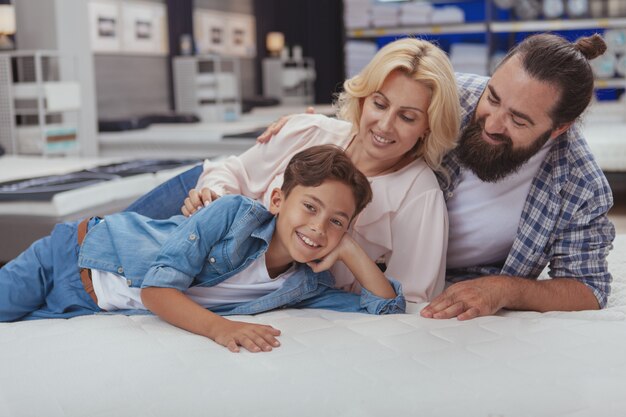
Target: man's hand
[[253, 337], [275, 127], [469, 299], [196, 200]]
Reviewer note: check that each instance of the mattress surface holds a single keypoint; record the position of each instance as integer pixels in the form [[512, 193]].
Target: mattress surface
[[603, 125], [339, 364]]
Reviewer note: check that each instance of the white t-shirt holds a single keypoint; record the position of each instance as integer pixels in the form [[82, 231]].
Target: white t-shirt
[[484, 216], [253, 282]]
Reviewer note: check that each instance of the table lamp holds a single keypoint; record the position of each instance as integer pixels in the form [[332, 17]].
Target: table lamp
[[275, 42], [7, 25]]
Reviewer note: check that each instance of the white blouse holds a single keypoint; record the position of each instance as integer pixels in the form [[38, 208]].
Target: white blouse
[[405, 225]]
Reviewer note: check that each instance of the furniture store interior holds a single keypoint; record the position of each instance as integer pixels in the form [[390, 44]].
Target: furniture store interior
[[160, 85], [173, 241]]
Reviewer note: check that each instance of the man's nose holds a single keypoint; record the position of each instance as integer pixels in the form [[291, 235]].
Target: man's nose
[[494, 123]]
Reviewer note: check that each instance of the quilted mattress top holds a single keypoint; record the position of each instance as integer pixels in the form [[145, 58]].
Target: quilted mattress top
[[339, 364]]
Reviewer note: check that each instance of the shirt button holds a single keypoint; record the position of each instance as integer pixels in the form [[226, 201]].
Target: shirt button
[[120, 270], [212, 260], [192, 236], [129, 282], [450, 194]]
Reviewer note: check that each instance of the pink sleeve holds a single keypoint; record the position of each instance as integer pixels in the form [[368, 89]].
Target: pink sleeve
[[251, 173]]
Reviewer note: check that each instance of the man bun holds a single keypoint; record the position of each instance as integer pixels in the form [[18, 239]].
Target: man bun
[[591, 46]]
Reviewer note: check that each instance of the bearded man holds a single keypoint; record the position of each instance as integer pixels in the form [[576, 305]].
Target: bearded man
[[523, 190]]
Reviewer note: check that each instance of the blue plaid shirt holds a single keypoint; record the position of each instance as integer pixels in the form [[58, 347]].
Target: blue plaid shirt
[[564, 221]]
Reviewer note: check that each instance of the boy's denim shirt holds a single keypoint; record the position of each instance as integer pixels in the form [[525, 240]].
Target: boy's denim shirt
[[209, 247]]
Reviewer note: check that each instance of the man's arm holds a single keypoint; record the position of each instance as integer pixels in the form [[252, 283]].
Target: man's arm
[[176, 308], [577, 256], [487, 295]]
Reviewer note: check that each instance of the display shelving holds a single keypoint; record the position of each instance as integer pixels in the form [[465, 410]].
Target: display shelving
[[208, 85], [42, 103], [493, 25]]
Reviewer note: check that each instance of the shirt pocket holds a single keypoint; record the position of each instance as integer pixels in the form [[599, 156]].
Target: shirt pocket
[[216, 262]]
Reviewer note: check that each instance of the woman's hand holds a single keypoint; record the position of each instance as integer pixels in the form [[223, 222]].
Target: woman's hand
[[275, 127], [196, 200]]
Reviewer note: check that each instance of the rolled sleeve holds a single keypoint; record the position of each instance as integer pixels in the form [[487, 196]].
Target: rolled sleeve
[[166, 277], [378, 305], [582, 249], [183, 254]]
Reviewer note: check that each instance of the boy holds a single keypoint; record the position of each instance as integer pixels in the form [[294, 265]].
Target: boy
[[232, 257]]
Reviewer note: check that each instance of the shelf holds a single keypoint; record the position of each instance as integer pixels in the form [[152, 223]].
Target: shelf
[[45, 112], [51, 139], [552, 25], [427, 29], [500, 27], [495, 27], [26, 112], [611, 83], [27, 90]]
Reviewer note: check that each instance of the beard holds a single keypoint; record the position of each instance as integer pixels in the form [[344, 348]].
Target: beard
[[491, 163]]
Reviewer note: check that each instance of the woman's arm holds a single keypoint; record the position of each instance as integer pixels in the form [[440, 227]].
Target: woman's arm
[[176, 308], [252, 172]]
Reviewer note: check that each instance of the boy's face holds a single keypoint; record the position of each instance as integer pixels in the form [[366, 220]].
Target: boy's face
[[312, 220]]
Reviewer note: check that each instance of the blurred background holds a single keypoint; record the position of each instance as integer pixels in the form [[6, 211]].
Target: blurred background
[[101, 100]]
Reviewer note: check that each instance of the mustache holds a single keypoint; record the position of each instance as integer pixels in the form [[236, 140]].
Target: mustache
[[496, 136]]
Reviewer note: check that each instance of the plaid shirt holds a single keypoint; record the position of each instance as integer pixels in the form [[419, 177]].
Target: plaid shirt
[[564, 221]]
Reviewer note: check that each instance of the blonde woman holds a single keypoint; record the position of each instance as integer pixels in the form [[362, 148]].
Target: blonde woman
[[398, 118]]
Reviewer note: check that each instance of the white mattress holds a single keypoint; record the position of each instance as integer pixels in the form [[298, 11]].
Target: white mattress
[[604, 125], [339, 364], [80, 199]]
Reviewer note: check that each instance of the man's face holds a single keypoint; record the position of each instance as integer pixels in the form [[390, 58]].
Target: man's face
[[511, 123]]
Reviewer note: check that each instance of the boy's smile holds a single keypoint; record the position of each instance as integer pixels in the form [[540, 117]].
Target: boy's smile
[[310, 224]]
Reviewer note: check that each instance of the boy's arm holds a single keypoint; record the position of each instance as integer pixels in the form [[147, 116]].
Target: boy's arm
[[176, 308], [364, 269]]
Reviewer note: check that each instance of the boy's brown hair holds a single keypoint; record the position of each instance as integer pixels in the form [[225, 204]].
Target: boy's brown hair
[[312, 166]]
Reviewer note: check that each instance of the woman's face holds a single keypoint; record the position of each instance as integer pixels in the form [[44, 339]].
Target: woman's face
[[394, 117]]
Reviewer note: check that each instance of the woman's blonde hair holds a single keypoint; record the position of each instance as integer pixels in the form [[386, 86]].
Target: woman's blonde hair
[[423, 62]]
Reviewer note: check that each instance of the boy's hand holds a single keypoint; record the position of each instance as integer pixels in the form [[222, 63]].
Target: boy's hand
[[359, 263], [196, 200], [345, 245], [275, 127], [253, 337]]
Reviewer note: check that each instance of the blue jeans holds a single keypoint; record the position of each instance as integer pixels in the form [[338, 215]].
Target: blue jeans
[[166, 200], [43, 282]]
